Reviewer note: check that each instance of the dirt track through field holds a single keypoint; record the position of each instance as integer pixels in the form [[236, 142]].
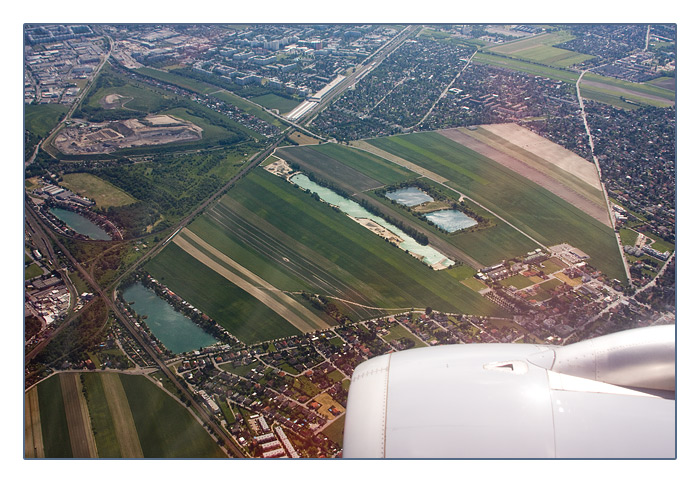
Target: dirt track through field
[[33, 440], [542, 179], [124, 425], [82, 441], [365, 146], [288, 308]]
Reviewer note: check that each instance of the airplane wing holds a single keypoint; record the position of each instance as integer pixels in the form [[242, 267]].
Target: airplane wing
[[609, 397]]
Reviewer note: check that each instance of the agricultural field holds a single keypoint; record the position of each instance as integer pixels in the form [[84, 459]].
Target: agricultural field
[[563, 173], [322, 251], [165, 428], [610, 90], [365, 168], [355, 169], [39, 120], [540, 214], [232, 307], [108, 415], [540, 49], [103, 193]]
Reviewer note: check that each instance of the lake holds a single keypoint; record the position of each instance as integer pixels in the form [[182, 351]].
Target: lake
[[80, 224], [410, 196], [176, 331], [428, 254], [451, 220]]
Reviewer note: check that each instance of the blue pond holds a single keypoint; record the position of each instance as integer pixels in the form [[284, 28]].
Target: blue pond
[[451, 220]]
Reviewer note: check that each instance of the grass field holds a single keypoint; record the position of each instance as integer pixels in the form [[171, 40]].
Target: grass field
[[399, 331], [32, 271], [178, 80], [542, 215], [517, 281], [130, 417], [357, 170], [527, 67], [334, 431], [104, 194], [40, 119], [273, 101], [137, 97]]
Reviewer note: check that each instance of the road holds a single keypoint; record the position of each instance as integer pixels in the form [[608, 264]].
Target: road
[[600, 174]]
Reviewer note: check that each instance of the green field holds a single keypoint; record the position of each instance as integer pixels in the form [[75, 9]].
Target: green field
[[527, 67], [335, 430], [594, 87], [54, 426], [518, 281], [100, 417], [246, 106], [32, 271], [165, 427], [356, 169], [273, 101], [540, 49], [295, 243], [40, 119], [231, 307], [399, 331], [178, 80], [135, 96], [104, 194], [539, 213]]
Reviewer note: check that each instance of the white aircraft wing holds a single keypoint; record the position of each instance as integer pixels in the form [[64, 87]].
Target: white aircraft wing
[[609, 397]]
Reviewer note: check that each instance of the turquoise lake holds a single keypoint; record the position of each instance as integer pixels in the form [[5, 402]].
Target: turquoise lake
[[176, 331], [80, 224]]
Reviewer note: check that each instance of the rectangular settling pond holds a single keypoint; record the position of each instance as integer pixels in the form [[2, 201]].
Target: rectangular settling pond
[[451, 220], [410, 196]]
